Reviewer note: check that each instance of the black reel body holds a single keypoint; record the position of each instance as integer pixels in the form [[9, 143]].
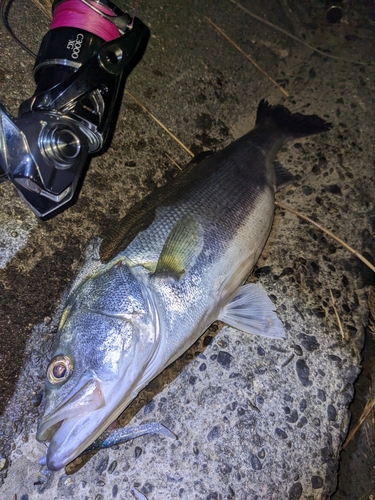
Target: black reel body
[[80, 80]]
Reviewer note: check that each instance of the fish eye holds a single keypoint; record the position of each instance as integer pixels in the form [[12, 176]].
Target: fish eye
[[59, 369]]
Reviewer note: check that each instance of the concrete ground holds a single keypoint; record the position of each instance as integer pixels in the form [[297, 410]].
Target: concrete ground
[[271, 422]]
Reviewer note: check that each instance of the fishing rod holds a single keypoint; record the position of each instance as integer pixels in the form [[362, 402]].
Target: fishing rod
[[80, 73]]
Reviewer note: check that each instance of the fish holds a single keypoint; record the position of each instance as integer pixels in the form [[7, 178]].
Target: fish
[[177, 262]]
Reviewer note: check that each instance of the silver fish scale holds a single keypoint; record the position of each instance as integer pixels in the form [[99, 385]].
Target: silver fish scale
[[220, 201], [234, 207]]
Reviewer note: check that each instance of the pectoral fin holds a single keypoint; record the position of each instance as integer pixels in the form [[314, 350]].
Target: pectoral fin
[[181, 248], [252, 311]]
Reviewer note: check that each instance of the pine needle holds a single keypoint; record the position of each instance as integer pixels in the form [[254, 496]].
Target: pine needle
[[337, 315], [248, 57], [160, 124], [172, 160], [286, 33], [369, 406], [371, 306], [44, 6], [327, 231], [367, 495]]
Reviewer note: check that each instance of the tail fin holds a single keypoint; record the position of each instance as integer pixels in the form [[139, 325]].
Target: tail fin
[[294, 124]]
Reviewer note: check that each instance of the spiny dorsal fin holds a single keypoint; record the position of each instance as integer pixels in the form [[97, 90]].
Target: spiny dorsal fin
[[181, 248], [141, 215]]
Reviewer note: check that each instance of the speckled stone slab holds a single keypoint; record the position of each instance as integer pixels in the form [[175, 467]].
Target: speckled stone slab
[[256, 418]]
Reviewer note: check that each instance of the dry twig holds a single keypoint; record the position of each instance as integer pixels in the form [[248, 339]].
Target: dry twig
[[327, 231], [248, 57], [369, 406], [160, 124], [172, 160], [44, 6], [371, 306], [286, 33], [337, 315]]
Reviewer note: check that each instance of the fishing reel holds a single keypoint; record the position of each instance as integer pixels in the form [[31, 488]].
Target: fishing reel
[[80, 73]]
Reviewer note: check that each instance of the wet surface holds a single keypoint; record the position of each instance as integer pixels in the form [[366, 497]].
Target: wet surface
[[206, 92]]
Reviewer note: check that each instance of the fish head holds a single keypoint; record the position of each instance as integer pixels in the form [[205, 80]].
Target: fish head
[[107, 342]]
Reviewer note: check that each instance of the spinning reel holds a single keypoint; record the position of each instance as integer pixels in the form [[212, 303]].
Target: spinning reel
[[80, 73]]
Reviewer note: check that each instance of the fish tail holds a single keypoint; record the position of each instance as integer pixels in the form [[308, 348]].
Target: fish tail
[[293, 125]]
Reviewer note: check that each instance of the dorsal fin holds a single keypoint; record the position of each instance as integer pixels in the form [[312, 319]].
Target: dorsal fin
[[141, 215]]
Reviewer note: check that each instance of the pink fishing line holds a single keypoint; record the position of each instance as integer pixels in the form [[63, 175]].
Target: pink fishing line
[[75, 14]]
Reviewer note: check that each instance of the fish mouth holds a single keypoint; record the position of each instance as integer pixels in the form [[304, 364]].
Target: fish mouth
[[57, 426], [86, 399], [78, 421]]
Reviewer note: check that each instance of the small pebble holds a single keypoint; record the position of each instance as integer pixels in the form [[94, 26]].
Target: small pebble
[[321, 395], [112, 467], [332, 413], [293, 417], [316, 482], [307, 190], [255, 462], [309, 342], [295, 491], [302, 405], [298, 350], [214, 433], [303, 372], [102, 465], [3, 463], [224, 359], [260, 400], [47, 320], [213, 496], [282, 434], [262, 271], [302, 422]]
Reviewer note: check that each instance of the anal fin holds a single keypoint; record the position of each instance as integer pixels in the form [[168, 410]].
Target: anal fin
[[252, 311], [283, 177]]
